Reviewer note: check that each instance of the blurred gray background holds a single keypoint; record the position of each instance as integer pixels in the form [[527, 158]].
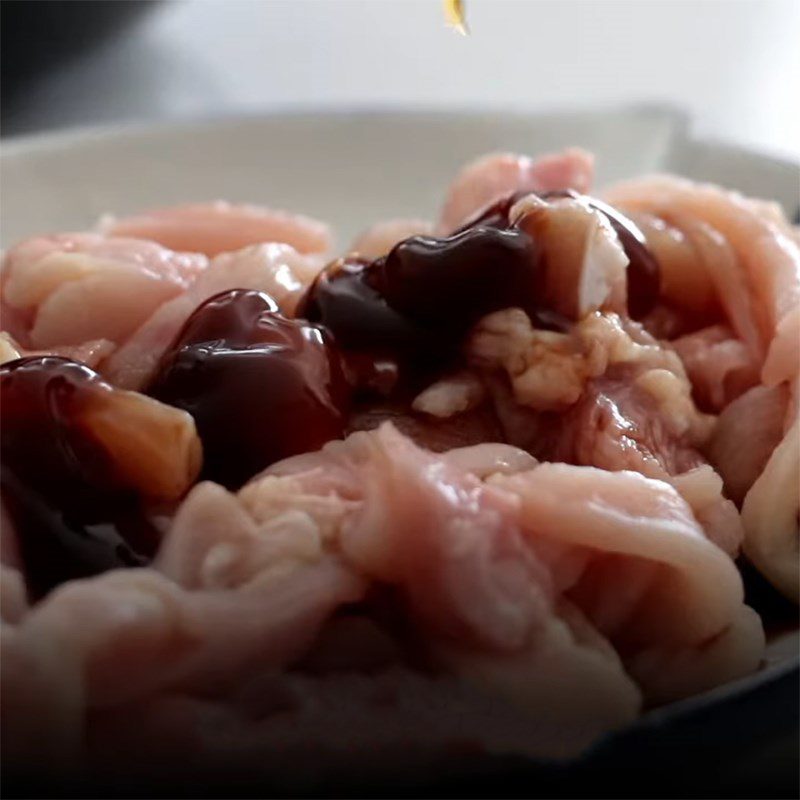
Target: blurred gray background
[[733, 65]]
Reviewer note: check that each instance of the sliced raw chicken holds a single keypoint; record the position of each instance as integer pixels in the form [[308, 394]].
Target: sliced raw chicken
[[770, 515], [118, 638], [276, 269], [720, 366], [219, 227], [73, 288], [424, 585], [378, 240], [644, 573], [491, 177], [766, 263], [762, 270], [757, 420], [589, 533], [453, 546]]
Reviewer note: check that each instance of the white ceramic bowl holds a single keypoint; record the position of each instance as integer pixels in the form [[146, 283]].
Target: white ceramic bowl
[[350, 168]]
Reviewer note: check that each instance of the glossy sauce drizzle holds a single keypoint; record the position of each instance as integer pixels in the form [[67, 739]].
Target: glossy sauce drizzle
[[74, 513], [412, 307], [259, 386]]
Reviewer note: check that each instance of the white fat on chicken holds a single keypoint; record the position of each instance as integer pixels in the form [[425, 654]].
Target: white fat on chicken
[[549, 370], [625, 399], [453, 394]]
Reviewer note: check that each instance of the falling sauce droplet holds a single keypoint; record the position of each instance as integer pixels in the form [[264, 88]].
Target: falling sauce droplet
[[454, 15]]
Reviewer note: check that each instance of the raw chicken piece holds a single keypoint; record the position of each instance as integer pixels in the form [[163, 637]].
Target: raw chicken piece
[[768, 259], [453, 546], [550, 371], [90, 353], [483, 460], [73, 288], [276, 269], [764, 270], [41, 714], [219, 227], [491, 177], [720, 366], [745, 435], [649, 580], [685, 280], [618, 424], [378, 240], [701, 488], [626, 550], [120, 637], [770, 517], [649, 425], [584, 264]]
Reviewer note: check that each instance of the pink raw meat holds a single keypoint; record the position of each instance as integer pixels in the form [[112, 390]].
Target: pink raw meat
[[219, 227], [73, 288], [276, 269], [493, 176]]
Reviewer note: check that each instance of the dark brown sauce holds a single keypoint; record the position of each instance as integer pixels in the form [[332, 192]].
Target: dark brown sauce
[[72, 514], [413, 307], [448, 284], [409, 310], [259, 386]]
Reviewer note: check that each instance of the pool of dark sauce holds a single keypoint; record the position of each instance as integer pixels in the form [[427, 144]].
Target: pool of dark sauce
[[73, 515], [260, 387]]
